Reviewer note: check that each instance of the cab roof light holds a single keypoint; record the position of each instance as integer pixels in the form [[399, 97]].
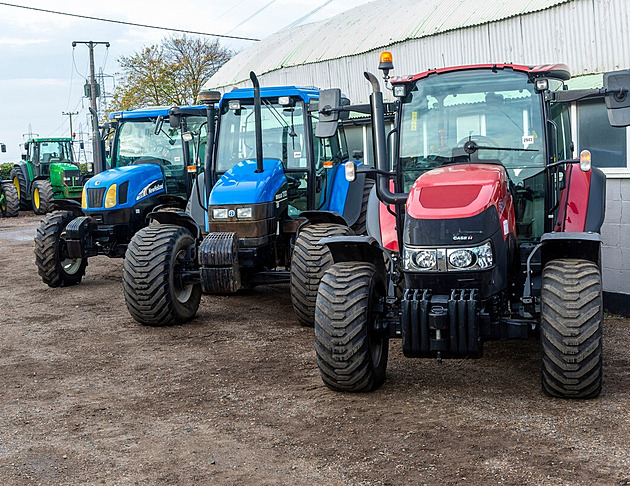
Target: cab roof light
[[541, 85], [234, 105], [386, 63]]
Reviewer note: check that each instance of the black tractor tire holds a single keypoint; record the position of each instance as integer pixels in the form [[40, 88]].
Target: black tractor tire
[[19, 181], [309, 261], [153, 293], [11, 205], [351, 357], [53, 264], [571, 329], [42, 197], [360, 225]]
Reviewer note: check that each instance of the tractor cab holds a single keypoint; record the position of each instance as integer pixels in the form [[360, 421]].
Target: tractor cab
[[44, 152]]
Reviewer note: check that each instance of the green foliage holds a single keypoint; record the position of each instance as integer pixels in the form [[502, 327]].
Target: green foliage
[[83, 169], [5, 170], [168, 74]]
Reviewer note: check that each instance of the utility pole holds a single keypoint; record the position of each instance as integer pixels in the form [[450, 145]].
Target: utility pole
[[70, 114], [99, 165]]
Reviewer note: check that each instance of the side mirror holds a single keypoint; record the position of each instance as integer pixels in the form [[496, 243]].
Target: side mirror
[[174, 120], [618, 102], [26, 146], [3, 147], [81, 145], [158, 124], [23, 156], [329, 103]]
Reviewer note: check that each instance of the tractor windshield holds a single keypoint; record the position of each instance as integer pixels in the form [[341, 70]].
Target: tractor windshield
[[283, 134], [55, 151], [497, 113], [137, 142]]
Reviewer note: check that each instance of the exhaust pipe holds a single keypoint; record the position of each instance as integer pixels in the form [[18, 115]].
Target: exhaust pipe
[[377, 110], [257, 122]]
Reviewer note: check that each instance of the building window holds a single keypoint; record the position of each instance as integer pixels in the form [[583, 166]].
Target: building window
[[608, 145]]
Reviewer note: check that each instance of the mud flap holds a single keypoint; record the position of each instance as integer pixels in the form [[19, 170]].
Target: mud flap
[[218, 259]]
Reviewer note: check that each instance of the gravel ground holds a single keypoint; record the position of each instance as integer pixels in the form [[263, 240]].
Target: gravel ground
[[91, 397]]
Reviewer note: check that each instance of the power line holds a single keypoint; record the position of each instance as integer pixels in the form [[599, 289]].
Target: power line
[[251, 16], [311, 13], [131, 23]]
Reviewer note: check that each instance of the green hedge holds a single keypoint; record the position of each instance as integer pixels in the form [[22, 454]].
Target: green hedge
[[5, 170]]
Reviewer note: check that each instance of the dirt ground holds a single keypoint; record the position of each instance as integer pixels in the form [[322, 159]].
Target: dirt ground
[[91, 397]]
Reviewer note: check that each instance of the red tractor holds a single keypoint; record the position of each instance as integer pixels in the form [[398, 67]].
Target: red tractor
[[485, 228]]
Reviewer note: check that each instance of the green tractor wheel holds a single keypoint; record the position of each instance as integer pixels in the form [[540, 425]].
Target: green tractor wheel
[[19, 181], [54, 265], [9, 200], [42, 197]]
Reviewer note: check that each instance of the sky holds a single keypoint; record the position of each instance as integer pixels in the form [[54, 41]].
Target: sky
[[42, 75]]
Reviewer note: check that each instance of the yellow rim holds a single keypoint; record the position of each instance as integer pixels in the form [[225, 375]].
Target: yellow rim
[[36, 198], [16, 183]]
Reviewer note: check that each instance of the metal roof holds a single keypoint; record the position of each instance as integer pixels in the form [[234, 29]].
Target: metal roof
[[367, 27]]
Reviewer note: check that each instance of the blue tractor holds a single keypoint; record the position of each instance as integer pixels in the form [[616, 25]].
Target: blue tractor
[[150, 160], [270, 178]]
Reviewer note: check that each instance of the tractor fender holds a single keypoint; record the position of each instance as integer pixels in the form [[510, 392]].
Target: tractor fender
[[317, 217], [176, 218], [596, 208], [170, 201], [347, 197], [582, 245], [69, 205], [357, 249]]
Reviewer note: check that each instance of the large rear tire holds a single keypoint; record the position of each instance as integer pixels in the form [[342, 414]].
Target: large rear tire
[[309, 261], [51, 257], [571, 329], [154, 292], [42, 197], [9, 200], [19, 181], [350, 355]]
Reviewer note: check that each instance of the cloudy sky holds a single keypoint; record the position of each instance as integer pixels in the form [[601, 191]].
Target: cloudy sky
[[42, 75]]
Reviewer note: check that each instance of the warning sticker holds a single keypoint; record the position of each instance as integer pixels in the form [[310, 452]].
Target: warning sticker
[[414, 121]]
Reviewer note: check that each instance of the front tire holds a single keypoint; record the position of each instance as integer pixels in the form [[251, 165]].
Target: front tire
[[154, 292], [350, 355], [51, 258], [42, 197], [309, 261], [10, 205], [19, 181], [571, 329]]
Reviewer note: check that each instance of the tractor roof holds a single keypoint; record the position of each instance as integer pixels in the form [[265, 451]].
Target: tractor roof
[[55, 139], [151, 112], [559, 71], [306, 93]]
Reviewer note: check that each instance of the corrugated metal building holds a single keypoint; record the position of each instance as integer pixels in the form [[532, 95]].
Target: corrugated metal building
[[590, 36]]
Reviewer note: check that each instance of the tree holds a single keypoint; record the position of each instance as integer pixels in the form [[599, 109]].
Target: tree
[[171, 73]]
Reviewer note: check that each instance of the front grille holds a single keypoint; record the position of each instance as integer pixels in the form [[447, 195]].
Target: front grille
[[95, 197], [72, 177]]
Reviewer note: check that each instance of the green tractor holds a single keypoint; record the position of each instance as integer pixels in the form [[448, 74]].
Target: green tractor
[[46, 172], [9, 201]]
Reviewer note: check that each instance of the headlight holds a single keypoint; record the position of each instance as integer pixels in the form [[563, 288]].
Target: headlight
[[220, 213], [244, 213], [461, 258], [449, 259], [110, 197], [84, 198], [485, 258], [419, 259]]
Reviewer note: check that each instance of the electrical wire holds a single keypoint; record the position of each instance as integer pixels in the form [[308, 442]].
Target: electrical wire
[[133, 23], [311, 13], [250, 17]]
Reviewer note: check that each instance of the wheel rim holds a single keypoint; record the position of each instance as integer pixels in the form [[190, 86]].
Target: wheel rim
[[36, 198], [69, 265], [182, 292], [16, 183]]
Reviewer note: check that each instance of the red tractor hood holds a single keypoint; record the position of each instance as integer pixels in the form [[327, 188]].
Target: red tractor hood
[[458, 191]]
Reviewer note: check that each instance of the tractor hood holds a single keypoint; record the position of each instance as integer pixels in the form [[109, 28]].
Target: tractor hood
[[133, 184], [458, 191], [243, 185], [63, 166]]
